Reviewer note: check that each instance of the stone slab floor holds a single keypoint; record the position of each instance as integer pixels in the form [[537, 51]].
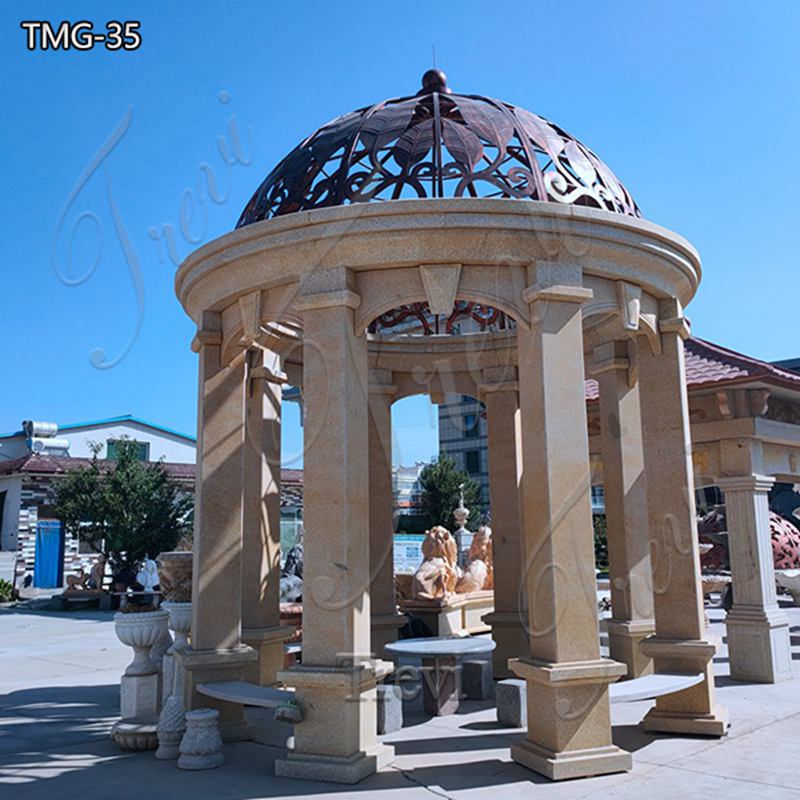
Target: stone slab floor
[[59, 695]]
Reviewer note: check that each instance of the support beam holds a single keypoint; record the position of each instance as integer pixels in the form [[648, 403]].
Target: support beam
[[509, 618], [625, 490], [385, 619], [261, 565], [217, 652], [569, 726], [336, 741], [758, 631], [679, 644]]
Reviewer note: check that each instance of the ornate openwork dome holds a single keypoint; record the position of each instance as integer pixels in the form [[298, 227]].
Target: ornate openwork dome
[[437, 144]]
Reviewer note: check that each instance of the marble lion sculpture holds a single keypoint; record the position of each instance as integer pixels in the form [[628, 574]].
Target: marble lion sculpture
[[438, 573], [478, 573]]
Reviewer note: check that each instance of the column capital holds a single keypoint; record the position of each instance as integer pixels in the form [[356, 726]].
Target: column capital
[[330, 299], [500, 386], [558, 293], [746, 483], [205, 337], [678, 325], [383, 388], [609, 356]]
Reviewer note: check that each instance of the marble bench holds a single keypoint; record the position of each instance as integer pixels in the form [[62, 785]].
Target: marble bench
[[247, 694], [512, 692], [649, 687]]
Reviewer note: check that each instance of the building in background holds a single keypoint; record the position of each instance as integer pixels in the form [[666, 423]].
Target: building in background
[[34, 458]]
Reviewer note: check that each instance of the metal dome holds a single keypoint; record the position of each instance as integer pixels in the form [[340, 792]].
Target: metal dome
[[437, 144]]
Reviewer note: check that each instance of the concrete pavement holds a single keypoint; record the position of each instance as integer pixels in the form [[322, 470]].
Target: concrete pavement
[[59, 696]]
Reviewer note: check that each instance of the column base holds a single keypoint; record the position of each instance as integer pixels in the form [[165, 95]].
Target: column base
[[571, 764], [337, 739], [334, 769], [569, 722], [211, 666], [692, 711], [624, 637], [672, 721], [758, 644], [268, 644], [510, 638], [384, 629]]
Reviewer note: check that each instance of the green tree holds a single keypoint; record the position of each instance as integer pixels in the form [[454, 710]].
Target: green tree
[[126, 510], [440, 481]]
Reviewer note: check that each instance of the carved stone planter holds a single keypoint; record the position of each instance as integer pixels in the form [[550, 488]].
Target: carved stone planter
[[175, 576], [201, 746], [141, 631]]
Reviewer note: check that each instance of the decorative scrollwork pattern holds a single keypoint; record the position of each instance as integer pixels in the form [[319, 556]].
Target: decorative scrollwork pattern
[[417, 318], [437, 144]]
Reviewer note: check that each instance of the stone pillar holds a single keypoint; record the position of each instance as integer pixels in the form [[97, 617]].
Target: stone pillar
[[758, 631], [569, 726], [509, 618], [679, 644], [217, 652], [261, 552], [625, 491], [385, 619], [336, 741]]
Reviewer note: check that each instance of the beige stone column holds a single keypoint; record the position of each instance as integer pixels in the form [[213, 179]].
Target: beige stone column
[[336, 741], [261, 550], [385, 619], [569, 726], [679, 644], [509, 618], [217, 652], [758, 631], [625, 490]]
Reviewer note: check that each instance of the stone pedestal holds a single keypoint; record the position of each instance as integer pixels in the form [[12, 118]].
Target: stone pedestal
[[569, 723], [569, 727], [625, 490], [456, 614], [201, 745], [337, 740], [211, 666], [679, 643], [384, 630], [139, 696], [758, 631]]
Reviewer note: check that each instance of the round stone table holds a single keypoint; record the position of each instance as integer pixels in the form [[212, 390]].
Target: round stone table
[[441, 670]]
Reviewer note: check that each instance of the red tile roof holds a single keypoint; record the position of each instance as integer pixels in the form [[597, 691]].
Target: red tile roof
[[710, 364]]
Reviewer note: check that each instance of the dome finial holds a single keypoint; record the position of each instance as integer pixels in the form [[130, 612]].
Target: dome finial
[[434, 80]]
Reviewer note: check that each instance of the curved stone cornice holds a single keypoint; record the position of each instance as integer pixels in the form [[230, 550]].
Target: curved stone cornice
[[407, 233]]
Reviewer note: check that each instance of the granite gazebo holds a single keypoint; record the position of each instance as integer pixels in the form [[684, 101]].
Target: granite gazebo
[[439, 202]]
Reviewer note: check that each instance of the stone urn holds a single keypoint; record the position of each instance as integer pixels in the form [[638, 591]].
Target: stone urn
[[141, 630], [175, 576]]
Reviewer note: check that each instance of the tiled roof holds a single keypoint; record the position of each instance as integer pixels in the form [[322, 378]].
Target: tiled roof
[[291, 479], [710, 364]]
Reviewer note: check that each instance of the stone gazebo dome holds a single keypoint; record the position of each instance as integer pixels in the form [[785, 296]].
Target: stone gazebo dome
[[437, 144]]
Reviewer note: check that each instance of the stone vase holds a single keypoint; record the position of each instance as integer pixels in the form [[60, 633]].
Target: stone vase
[[201, 745], [175, 576], [141, 631]]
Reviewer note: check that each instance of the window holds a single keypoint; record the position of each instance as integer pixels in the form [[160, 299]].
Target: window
[[472, 461], [471, 425], [142, 450]]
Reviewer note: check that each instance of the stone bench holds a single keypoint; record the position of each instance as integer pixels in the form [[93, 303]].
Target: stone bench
[[512, 694], [246, 694]]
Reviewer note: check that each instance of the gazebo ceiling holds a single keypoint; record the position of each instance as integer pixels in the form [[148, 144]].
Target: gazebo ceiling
[[437, 144]]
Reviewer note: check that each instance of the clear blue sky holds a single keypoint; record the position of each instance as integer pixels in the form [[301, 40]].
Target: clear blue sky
[[696, 106]]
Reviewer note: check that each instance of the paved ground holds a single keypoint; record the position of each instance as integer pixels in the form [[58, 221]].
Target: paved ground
[[59, 696]]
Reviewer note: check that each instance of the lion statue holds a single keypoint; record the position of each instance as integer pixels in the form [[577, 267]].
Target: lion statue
[[438, 574], [479, 573]]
